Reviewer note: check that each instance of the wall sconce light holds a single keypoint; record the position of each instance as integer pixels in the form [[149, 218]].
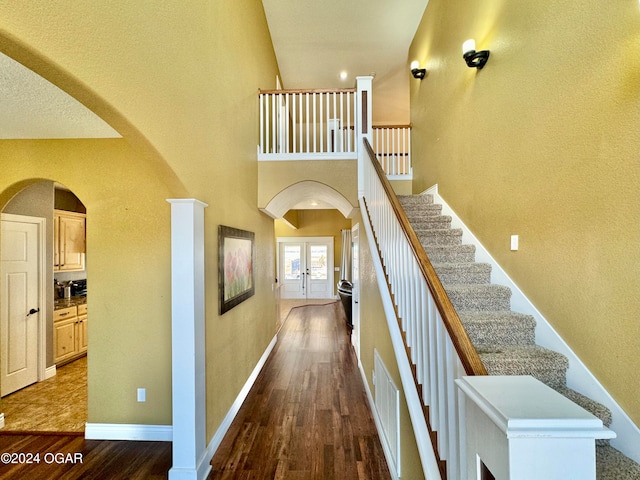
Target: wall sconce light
[[416, 71], [474, 59]]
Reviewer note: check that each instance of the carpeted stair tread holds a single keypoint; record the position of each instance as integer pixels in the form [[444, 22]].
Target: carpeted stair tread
[[505, 340], [546, 365], [485, 298], [416, 212], [463, 273], [492, 329], [445, 236], [431, 222], [450, 253], [611, 464], [415, 199], [591, 406]]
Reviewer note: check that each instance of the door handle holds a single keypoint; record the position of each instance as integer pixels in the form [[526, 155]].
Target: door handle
[[33, 311]]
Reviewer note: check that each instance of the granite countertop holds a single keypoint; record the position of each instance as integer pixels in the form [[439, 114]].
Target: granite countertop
[[59, 303]]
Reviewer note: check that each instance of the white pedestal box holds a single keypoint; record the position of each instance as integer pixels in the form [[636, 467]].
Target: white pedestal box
[[518, 428]]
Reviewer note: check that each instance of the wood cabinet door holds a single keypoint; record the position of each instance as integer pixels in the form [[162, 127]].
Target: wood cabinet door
[[69, 236], [82, 334], [64, 339]]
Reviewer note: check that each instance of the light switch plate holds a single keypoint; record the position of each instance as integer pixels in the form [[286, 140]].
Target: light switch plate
[[514, 242]]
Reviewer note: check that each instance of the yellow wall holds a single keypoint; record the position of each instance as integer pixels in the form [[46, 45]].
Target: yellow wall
[[544, 142], [341, 175], [179, 81], [129, 308]]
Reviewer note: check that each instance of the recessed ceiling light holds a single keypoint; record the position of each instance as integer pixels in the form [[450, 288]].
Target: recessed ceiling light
[[343, 75]]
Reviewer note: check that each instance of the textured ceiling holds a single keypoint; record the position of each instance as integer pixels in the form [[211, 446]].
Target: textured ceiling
[[314, 42], [32, 107]]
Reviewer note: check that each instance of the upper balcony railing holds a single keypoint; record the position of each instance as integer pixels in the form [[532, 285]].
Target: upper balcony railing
[[392, 144], [322, 125], [307, 124]]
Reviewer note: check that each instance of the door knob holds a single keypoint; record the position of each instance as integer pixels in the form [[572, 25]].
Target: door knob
[[32, 311]]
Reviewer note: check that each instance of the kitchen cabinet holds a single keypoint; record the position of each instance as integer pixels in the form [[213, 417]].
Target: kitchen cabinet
[[82, 328], [69, 241], [69, 333]]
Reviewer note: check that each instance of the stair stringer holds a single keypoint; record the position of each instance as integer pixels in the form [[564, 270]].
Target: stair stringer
[[414, 404], [579, 377]]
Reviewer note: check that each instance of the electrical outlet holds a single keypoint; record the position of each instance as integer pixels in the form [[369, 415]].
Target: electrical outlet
[[514, 242], [142, 394]]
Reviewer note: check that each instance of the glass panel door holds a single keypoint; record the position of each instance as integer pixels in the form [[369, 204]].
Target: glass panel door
[[292, 270], [318, 285], [306, 267]]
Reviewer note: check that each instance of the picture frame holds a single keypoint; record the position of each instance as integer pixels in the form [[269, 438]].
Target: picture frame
[[236, 258]]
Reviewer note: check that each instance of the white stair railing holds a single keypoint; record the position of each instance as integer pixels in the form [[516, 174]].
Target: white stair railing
[[435, 341], [392, 145], [303, 124]]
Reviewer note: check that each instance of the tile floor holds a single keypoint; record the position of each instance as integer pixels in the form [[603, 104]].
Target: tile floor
[[58, 404]]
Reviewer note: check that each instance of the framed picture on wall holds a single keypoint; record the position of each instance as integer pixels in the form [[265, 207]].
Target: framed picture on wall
[[236, 254]]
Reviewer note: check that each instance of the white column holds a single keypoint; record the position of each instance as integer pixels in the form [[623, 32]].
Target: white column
[[364, 129], [521, 429], [187, 340]]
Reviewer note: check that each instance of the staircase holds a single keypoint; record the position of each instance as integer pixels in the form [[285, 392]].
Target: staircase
[[504, 339]]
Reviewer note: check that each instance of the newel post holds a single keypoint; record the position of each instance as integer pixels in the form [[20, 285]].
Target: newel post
[[518, 428], [364, 128], [187, 340]]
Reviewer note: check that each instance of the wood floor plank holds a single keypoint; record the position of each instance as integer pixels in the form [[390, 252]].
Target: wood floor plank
[[64, 457], [309, 410]]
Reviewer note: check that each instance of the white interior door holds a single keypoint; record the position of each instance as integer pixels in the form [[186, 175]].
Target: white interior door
[[20, 303], [355, 292], [291, 259], [306, 267]]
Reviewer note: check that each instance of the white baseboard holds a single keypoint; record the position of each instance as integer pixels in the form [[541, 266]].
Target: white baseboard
[[579, 377], [50, 372], [164, 433], [121, 431], [216, 440]]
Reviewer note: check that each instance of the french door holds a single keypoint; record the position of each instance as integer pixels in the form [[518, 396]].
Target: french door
[[305, 267]]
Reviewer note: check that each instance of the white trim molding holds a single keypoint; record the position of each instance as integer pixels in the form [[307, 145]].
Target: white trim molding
[[216, 440], [131, 432], [579, 377], [50, 372]]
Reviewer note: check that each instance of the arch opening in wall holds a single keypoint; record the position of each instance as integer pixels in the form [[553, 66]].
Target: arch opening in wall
[[302, 195]]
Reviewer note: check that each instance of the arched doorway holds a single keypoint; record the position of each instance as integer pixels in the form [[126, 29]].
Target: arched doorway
[[53, 398]]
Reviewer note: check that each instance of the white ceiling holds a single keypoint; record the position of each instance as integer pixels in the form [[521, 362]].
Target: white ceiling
[[32, 107], [316, 40]]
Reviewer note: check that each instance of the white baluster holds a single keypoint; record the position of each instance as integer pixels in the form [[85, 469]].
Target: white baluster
[[315, 121], [261, 119], [322, 122]]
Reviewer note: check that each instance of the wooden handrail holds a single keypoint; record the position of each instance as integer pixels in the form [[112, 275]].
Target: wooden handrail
[[391, 126], [309, 90], [459, 338]]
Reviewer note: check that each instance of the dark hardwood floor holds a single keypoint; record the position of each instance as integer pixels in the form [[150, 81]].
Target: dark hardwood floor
[[307, 415], [66, 457]]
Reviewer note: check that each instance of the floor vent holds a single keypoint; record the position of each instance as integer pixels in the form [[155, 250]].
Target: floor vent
[[387, 400]]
